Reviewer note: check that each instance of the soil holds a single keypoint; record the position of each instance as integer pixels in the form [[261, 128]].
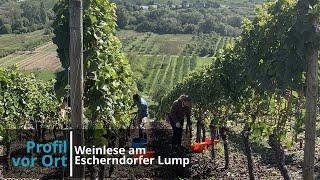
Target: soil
[[201, 166], [43, 58]]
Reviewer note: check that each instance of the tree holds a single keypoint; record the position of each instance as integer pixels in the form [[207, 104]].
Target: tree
[[122, 17], [189, 28], [5, 29], [31, 11], [13, 12], [1, 21], [151, 2], [234, 21], [146, 26], [193, 17], [184, 4], [170, 3], [43, 14]]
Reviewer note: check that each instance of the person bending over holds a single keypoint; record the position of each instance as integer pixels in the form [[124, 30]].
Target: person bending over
[[180, 109], [142, 113]]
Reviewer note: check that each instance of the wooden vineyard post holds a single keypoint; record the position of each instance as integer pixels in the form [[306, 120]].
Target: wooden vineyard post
[[245, 136], [311, 94], [76, 79], [213, 137], [311, 115]]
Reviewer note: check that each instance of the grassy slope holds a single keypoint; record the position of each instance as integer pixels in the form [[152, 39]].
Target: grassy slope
[[163, 71], [10, 43], [42, 62], [150, 43]]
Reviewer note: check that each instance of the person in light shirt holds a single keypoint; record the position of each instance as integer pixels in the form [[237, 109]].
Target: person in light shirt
[[142, 113]]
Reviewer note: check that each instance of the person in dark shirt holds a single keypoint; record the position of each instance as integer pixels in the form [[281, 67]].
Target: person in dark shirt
[[180, 109], [142, 113]]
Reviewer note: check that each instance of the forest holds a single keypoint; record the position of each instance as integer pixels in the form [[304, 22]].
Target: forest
[[185, 18], [25, 16]]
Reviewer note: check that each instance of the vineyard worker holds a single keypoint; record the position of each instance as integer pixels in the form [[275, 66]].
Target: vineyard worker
[[142, 114], [180, 109]]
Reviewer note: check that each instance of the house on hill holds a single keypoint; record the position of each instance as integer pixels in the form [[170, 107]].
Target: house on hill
[[153, 6], [144, 7], [149, 7]]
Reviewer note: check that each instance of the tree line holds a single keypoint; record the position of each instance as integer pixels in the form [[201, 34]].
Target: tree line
[[24, 16], [165, 20]]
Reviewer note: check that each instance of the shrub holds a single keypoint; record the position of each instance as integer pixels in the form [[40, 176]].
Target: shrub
[[6, 29]]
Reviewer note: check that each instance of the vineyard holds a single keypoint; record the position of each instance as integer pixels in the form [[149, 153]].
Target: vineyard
[[159, 62], [157, 74], [150, 43], [255, 97], [258, 83], [167, 44], [22, 42], [43, 58]]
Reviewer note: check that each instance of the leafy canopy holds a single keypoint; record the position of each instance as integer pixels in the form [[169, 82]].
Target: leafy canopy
[[107, 74]]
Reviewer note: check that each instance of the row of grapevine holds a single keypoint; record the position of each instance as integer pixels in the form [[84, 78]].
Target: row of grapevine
[[107, 77], [157, 74], [26, 103], [173, 71], [163, 78], [42, 58], [197, 45], [134, 45], [155, 79], [153, 44], [180, 66], [259, 82], [25, 99], [206, 45], [108, 82]]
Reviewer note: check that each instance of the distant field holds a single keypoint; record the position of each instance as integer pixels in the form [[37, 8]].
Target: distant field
[[150, 43], [10, 43], [172, 44], [159, 73], [159, 62], [43, 61]]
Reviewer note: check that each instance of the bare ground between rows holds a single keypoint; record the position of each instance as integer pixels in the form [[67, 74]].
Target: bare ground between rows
[[201, 167], [159, 137]]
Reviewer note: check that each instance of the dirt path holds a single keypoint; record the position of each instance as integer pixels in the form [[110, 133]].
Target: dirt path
[[201, 166], [159, 137]]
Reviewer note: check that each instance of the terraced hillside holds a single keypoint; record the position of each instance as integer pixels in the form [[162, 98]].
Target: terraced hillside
[[172, 44], [10, 43], [150, 43], [43, 58], [157, 74], [159, 62]]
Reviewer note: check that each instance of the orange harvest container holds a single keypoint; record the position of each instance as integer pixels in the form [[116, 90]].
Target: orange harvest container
[[209, 142], [148, 155], [198, 147]]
